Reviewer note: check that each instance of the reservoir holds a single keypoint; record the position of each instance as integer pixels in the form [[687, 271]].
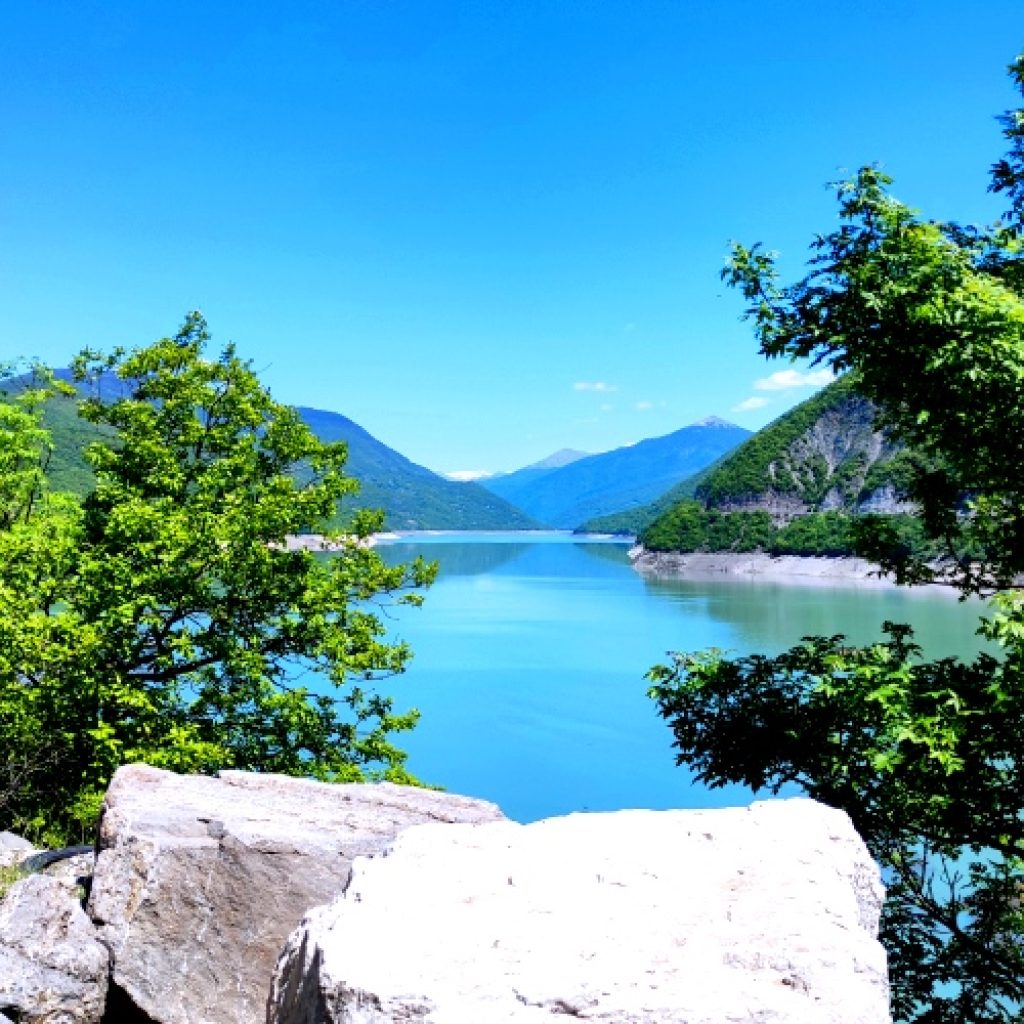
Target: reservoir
[[530, 652]]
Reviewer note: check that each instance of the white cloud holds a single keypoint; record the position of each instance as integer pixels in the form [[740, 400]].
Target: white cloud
[[794, 379], [607, 407], [593, 385], [465, 475], [644, 406], [750, 403]]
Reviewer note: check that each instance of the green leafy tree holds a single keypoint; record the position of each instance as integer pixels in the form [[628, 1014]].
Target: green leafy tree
[[25, 451], [926, 757], [164, 618]]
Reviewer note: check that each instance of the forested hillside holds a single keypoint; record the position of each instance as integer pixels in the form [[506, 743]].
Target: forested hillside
[[412, 497], [795, 487], [633, 520]]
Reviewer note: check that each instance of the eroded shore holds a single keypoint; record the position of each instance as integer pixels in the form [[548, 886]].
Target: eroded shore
[[757, 566]]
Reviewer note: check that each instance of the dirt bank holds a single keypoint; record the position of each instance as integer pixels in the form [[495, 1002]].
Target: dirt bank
[[757, 566]]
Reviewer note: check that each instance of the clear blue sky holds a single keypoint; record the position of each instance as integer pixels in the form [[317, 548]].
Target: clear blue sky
[[483, 230]]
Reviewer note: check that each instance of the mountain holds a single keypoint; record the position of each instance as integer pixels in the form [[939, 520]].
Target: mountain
[[824, 454], [510, 485], [632, 521], [623, 478], [795, 485], [413, 498], [563, 457]]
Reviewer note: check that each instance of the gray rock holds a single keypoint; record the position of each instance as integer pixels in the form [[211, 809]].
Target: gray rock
[[199, 880], [10, 841], [765, 914], [13, 849], [53, 969], [74, 873]]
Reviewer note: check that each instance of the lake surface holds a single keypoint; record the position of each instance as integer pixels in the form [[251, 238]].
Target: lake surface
[[530, 654]]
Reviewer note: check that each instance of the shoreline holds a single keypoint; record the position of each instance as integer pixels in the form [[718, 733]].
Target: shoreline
[[723, 566], [317, 541], [757, 566]]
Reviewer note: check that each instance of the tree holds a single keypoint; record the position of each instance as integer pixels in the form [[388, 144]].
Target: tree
[[926, 757], [164, 618]]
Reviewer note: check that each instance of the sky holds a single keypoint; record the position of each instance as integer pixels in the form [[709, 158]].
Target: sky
[[482, 230]]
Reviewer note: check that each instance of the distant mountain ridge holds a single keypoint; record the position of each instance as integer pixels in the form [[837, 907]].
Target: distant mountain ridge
[[621, 479], [563, 457], [412, 497], [632, 521], [510, 485]]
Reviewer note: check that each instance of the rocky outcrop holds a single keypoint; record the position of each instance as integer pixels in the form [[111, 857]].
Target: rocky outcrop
[[199, 880], [885, 500], [765, 914], [826, 454], [783, 508], [53, 969]]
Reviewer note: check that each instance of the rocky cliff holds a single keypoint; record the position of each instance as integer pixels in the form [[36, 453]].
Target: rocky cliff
[[797, 487], [825, 454]]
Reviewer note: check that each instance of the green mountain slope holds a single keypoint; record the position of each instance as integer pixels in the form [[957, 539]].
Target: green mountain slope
[[626, 477], [633, 520], [817, 453], [412, 497], [793, 487]]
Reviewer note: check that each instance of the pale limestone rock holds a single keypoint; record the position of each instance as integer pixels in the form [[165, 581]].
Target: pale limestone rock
[[199, 880], [13, 849], [74, 873], [53, 969], [765, 914]]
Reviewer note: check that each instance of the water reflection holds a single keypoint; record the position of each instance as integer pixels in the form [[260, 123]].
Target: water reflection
[[538, 554], [616, 552], [770, 616], [456, 559]]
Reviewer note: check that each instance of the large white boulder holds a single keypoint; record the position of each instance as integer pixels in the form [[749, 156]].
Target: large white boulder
[[199, 880], [765, 914]]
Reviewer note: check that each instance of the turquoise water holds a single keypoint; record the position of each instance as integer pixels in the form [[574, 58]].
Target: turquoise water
[[530, 656]]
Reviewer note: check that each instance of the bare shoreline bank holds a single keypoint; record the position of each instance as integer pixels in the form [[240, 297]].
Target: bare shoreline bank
[[761, 567], [318, 542]]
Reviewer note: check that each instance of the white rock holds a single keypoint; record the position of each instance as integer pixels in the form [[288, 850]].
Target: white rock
[[53, 969], [765, 914], [199, 880], [13, 849]]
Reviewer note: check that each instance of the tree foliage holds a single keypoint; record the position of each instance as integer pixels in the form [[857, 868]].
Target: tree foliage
[[926, 756], [689, 526], [163, 618]]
